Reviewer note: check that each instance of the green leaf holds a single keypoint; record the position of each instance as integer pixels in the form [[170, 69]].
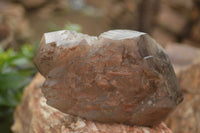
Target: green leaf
[[20, 61], [74, 27], [11, 88], [12, 80], [27, 51], [16, 71]]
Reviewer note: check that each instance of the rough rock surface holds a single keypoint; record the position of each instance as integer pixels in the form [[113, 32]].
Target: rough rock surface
[[186, 60], [121, 76], [14, 27], [33, 115]]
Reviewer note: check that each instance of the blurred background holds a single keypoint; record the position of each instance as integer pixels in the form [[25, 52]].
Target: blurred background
[[23, 22]]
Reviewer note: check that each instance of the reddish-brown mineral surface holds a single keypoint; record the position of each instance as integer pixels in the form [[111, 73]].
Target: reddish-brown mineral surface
[[33, 115], [122, 76]]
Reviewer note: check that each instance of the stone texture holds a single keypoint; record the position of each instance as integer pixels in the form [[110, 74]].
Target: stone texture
[[186, 60], [32, 3], [121, 76], [171, 20], [33, 115], [14, 27], [165, 20], [163, 37], [133, 14], [182, 55]]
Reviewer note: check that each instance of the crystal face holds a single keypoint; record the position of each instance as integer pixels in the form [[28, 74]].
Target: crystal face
[[122, 76]]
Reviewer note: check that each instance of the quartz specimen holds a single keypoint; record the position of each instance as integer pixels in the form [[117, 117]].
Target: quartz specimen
[[122, 76], [33, 115]]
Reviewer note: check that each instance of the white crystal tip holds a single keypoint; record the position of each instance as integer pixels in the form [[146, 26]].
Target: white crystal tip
[[121, 34]]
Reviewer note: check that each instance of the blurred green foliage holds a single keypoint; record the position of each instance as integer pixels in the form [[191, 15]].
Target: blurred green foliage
[[16, 71], [74, 27], [67, 26]]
